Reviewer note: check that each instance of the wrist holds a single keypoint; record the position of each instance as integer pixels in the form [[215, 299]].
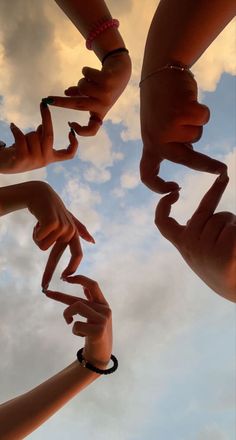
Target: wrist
[[94, 361], [36, 188], [107, 41], [14, 197], [155, 63]]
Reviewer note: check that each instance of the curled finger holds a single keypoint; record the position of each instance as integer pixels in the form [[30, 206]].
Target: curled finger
[[53, 260], [76, 256], [84, 310], [20, 141], [149, 169], [167, 225], [70, 151], [82, 230]]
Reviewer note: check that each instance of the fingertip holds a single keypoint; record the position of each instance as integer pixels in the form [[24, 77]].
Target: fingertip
[[85, 70], [13, 127], [72, 132], [68, 319]]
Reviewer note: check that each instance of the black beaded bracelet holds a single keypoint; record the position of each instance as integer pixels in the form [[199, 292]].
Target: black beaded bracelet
[[91, 367], [113, 52]]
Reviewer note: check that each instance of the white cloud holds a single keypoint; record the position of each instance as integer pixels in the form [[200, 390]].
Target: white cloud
[[96, 175], [130, 179], [212, 433], [220, 57], [82, 201]]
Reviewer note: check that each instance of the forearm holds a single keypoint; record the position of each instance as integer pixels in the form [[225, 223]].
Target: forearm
[[14, 197], [84, 15], [22, 415], [181, 30]]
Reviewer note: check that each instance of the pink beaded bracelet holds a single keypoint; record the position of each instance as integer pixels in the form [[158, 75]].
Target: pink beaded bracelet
[[99, 28]]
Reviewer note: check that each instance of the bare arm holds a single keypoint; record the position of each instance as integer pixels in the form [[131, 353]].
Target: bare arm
[[98, 90], [22, 415], [84, 15], [171, 116], [181, 30], [15, 197]]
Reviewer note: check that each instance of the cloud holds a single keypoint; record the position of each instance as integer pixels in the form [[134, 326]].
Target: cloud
[[93, 174], [212, 433], [82, 201], [130, 179], [218, 58]]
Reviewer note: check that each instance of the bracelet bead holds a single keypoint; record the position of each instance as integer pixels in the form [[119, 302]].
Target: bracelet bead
[[99, 28]]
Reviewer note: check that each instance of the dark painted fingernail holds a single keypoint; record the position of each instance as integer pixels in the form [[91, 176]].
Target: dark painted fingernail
[[72, 131], [46, 101], [2, 144]]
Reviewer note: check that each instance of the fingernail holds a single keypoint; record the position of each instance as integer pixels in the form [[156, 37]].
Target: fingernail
[[46, 101], [12, 125], [2, 144], [92, 240], [72, 131]]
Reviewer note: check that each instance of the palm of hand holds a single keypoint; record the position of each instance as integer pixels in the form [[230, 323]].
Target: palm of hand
[[208, 241], [211, 253]]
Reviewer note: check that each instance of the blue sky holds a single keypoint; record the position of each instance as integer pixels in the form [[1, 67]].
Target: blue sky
[[173, 336]]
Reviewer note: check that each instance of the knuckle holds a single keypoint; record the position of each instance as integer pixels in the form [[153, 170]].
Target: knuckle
[[94, 284]]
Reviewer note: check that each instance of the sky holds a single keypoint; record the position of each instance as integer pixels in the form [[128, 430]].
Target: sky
[[174, 337]]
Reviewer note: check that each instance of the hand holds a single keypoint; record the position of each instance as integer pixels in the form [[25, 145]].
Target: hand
[[35, 149], [96, 92], [172, 119], [98, 328], [208, 241], [56, 225]]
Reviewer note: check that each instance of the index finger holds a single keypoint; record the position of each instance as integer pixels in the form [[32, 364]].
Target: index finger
[[63, 297], [47, 127], [93, 287], [149, 169], [76, 256], [209, 202], [52, 263], [184, 154]]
